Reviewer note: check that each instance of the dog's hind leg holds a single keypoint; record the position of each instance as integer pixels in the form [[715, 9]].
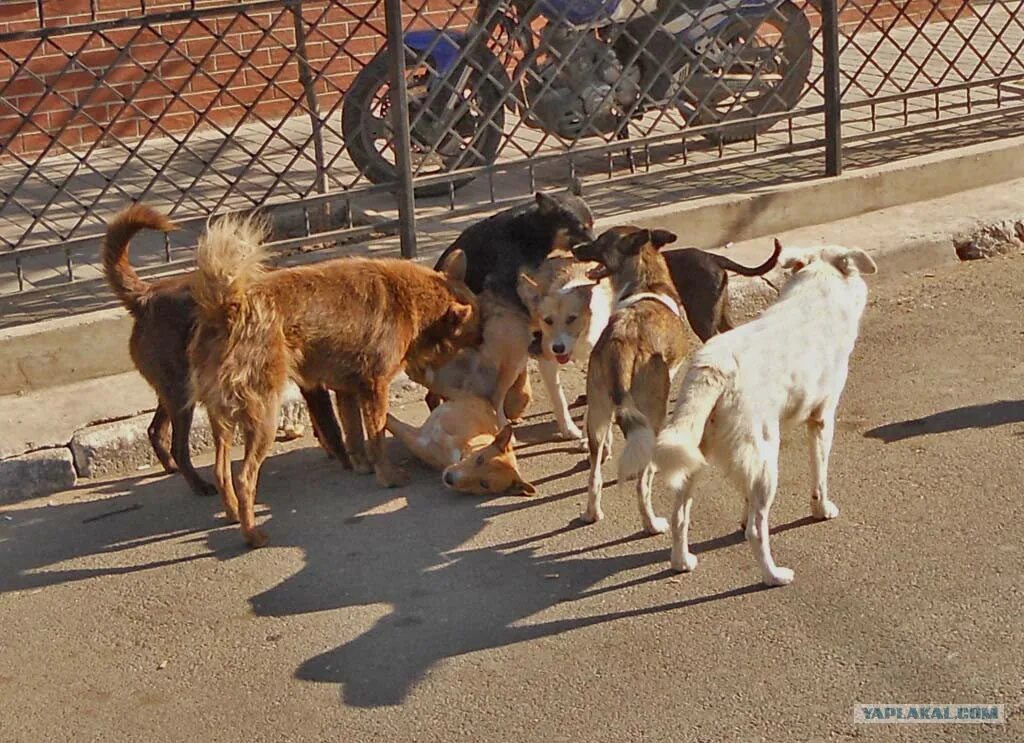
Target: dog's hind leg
[[821, 429], [325, 423], [599, 424], [653, 524], [375, 416], [181, 427], [763, 483], [159, 438], [352, 424], [559, 405], [259, 438], [682, 559], [223, 433]]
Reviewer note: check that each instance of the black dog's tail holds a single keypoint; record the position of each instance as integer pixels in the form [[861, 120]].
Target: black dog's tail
[[764, 268]]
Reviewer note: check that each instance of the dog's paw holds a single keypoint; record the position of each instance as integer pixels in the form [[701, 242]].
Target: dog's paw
[[360, 464], [256, 538], [392, 477], [824, 510], [780, 577], [658, 525], [591, 516], [684, 562]]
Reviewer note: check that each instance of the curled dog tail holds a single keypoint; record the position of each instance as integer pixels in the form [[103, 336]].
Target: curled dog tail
[[653, 380], [121, 277], [678, 454], [768, 265]]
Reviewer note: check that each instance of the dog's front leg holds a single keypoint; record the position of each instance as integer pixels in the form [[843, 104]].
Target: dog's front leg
[[559, 405], [821, 430], [375, 417]]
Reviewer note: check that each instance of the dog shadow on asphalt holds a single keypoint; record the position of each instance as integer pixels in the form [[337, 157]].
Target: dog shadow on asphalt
[[417, 549], [987, 415]]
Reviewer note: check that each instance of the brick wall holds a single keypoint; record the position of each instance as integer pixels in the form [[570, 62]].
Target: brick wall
[[52, 101]]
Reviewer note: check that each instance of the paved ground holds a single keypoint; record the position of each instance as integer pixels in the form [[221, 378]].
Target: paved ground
[[128, 611]]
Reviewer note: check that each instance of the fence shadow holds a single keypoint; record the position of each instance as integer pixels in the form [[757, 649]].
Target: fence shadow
[[987, 415]]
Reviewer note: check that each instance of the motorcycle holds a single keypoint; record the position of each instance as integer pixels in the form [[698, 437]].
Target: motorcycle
[[598, 66]]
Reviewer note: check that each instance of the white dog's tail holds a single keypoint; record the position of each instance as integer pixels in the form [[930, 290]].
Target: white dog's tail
[[678, 454], [653, 381]]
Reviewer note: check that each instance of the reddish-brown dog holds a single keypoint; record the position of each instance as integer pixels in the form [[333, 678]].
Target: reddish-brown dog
[[349, 325], [164, 314]]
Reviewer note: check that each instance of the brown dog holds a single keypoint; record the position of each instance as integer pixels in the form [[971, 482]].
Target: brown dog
[[632, 364], [164, 313], [349, 325]]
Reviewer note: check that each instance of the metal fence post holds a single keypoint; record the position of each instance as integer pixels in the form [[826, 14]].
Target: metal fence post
[[312, 103], [833, 102], [400, 121]]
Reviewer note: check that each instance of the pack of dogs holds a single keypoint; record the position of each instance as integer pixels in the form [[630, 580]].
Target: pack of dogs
[[528, 285]]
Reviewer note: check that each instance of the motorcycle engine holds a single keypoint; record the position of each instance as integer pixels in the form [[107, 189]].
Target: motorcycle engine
[[579, 88]]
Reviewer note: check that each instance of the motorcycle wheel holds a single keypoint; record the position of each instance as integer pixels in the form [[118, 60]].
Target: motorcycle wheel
[[790, 32], [437, 147]]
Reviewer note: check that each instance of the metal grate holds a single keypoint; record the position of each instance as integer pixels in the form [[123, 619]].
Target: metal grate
[[201, 107]]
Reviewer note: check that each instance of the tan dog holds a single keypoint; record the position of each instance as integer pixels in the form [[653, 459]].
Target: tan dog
[[570, 311], [461, 438], [349, 325], [634, 360], [495, 371]]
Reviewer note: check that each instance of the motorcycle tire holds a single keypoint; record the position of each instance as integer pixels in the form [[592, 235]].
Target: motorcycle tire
[[489, 81], [797, 56]]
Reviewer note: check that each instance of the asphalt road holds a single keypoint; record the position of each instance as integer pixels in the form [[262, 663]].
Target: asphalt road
[[128, 611]]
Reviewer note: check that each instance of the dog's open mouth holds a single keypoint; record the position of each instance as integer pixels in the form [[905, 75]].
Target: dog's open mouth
[[563, 358], [598, 273]]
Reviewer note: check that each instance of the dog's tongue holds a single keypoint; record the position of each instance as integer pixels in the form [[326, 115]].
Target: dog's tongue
[[563, 358]]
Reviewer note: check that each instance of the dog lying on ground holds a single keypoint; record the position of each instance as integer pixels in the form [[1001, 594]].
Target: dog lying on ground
[[786, 367], [633, 361], [461, 438], [164, 314], [348, 325], [571, 311]]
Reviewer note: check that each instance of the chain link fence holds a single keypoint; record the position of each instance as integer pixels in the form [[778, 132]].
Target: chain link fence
[[351, 120]]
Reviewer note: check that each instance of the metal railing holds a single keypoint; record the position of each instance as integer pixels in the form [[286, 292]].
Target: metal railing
[[318, 112]]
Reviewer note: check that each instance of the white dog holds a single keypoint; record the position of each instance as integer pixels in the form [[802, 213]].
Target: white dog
[[787, 366]]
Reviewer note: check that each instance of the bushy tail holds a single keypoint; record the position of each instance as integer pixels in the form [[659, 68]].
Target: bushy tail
[[125, 283], [237, 349], [652, 382], [678, 454], [229, 258]]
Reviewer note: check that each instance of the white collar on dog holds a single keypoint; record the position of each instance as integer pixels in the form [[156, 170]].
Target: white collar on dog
[[632, 299]]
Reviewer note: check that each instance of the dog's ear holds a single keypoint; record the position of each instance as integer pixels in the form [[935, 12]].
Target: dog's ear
[[586, 292], [792, 259], [855, 259], [454, 265], [521, 487], [528, 290], [660, 238], [548, 204], [458, 316], [503, 441], [634, 243]]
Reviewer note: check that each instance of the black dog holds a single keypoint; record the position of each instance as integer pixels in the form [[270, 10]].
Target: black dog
[[702, 282], [504, 244]]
